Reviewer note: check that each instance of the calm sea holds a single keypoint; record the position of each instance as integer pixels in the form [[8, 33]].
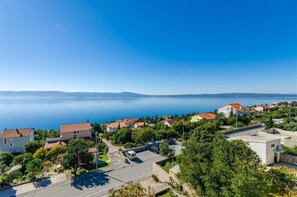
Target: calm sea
[[49, 114]]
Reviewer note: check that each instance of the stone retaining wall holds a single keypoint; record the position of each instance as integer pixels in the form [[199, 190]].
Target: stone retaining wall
[[289, 159], [161, 174]]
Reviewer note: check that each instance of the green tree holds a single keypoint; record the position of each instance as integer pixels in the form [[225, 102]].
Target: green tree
[[40, 153], [9, 178], [165, 150], [269, 123], [102, 147], [32, 146], [217, 167], [55, 152], [77, 155], [34, 167], [284, 181], [123, 136], [22, 159], [143, 135], [6, 158]]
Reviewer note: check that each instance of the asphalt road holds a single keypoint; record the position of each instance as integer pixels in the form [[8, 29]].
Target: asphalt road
[[98, 184]]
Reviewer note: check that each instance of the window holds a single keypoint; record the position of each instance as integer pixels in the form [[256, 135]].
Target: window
[[10, 144], [272, 145], [4, 141], [74, 132]]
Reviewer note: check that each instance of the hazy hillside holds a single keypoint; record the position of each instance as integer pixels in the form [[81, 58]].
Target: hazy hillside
[[129, 95]]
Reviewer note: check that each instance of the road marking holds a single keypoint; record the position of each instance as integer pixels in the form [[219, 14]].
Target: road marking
[[115, 186]]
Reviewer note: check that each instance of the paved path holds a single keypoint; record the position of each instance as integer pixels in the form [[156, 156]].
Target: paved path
[[96, 183], [17, 190]]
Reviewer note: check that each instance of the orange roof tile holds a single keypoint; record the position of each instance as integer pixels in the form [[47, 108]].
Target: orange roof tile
[[50, 145], [237, 106], [113, 125], [75, 127], [207, 116], [14, 133]]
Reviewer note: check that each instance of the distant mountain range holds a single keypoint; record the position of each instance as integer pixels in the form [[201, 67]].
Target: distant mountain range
[[130, 95]]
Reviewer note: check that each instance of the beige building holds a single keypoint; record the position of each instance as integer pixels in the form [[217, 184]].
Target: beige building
[[78, 130], [14, 140]]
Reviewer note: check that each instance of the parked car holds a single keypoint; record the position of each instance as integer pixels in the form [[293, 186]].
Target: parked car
[[155, 149], [131, 154]]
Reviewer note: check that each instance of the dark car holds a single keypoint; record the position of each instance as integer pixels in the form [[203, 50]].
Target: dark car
[[155, 149]]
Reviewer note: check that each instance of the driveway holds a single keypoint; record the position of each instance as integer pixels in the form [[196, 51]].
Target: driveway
[[96, 183]]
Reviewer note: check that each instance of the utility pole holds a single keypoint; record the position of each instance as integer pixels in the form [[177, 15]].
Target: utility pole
[[236, 118], [96, 155], [183, 128]]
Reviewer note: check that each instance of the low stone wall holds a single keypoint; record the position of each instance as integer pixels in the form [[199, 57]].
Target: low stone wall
[[289, 159], [171, 177], [161, 174]]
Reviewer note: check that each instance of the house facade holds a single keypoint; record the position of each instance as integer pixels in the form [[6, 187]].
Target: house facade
[[203, 116], [112, 127], [234, 108], [267, 148], [78, 130], [14, 140]]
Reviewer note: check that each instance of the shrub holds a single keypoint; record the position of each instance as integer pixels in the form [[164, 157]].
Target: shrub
[[40, 154], [55, 151]]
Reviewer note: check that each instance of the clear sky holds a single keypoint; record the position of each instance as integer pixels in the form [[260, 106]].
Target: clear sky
[[149, 46]]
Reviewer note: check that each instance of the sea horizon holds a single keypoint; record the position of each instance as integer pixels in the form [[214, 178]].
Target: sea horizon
[[51, 113]]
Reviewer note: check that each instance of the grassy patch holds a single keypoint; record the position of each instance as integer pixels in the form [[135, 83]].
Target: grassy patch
[[103, 157], [169, 165]]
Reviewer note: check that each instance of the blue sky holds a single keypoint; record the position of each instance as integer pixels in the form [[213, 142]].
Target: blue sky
[[154, 47]]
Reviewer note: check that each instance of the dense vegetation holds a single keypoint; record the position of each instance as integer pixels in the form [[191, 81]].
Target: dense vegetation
[[215, 166]]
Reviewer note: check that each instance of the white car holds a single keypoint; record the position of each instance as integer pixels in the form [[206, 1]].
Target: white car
[[131, 154]]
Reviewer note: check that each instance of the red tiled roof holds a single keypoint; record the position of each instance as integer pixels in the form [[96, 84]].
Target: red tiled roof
[[166, 117], [113, 125], [171, 122], [75, 127], [207, 116], [13, 133], [122, 124], [92, 150], [237, 106], [139, 124], [50, 145], [131, 120]]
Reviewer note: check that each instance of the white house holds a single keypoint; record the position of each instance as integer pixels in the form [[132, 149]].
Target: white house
[[78, 130], [267, 148], [261, 108], [14, 140], [234, 108], [113, 127]]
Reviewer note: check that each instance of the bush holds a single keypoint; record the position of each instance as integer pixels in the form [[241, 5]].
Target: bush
[[6, 158], [34, 167], [32, 146], [40, 154], [12, 176], [290, 150], [55, 152]]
